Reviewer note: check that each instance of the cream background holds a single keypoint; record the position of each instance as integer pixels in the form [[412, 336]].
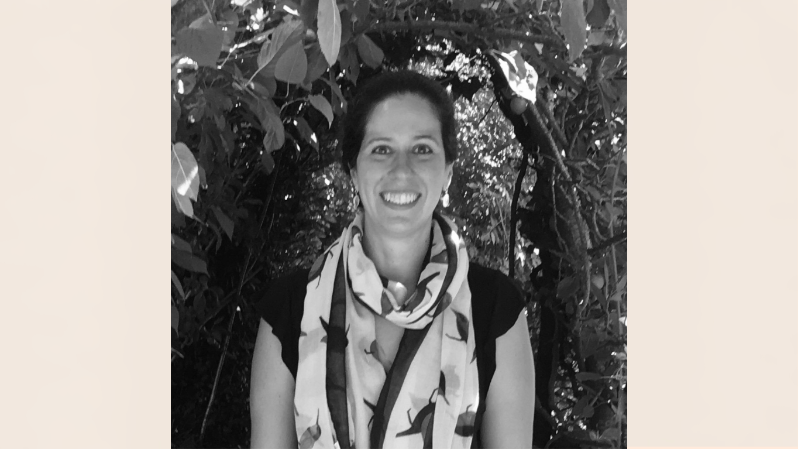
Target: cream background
[[714, 227]]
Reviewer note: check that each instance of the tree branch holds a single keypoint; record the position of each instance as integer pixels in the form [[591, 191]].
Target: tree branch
[[514, 210], [224, 350], [553, 121], [608, 243], [461, 27]]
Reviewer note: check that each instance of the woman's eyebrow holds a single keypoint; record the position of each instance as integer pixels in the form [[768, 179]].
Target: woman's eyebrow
[[376, 139], [427, 136]]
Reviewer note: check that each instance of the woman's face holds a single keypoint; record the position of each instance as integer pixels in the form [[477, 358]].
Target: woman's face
[[401, 169]]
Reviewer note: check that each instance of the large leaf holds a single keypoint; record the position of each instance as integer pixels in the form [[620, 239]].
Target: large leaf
[[369, 52], [329, 33], [201, 44], [268, 162], [574, 27], [292, 65], [185, 179], [183, 203], [189, 261], [619, 8], [521, 76], [178, 286], [317, 64], [321, 103], [283, 36], [360, 10], [269, 116], [598, 14], [225, 221], [340, 105], [274, 137], [180, 244]]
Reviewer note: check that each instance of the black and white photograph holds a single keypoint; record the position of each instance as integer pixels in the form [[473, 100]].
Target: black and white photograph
[[399, 224]]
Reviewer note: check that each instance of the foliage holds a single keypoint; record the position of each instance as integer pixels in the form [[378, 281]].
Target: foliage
[[258, 87]]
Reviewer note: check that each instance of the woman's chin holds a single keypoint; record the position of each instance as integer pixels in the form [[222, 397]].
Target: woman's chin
[[401, 218]]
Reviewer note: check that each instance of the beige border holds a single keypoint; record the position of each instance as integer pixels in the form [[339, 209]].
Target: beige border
[[83, 220], [713, 231], [714, 227]]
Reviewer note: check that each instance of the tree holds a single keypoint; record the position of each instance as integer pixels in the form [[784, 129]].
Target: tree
[[540, 187]]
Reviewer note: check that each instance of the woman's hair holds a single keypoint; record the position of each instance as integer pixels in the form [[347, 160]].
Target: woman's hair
[[387, 85]]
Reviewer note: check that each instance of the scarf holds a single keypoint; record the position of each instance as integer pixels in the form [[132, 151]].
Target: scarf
[[429, 397]]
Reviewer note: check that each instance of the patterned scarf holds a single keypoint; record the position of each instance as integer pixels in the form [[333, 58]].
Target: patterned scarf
[[429, 397]]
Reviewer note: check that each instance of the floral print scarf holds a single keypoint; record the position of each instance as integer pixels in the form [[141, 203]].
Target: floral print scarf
[[429, 396]]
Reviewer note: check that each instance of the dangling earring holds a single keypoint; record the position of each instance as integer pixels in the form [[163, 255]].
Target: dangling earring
[[357, 200], [445, 198]]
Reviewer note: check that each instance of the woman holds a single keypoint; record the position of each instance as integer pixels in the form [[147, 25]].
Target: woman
[[393, 339]]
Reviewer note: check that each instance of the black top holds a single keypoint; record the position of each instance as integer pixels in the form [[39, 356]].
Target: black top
[[495, 305]]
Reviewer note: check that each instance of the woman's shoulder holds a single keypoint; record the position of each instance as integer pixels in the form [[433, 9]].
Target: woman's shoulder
[[292, 282], [279, 294], [488, 280], [496, 301]]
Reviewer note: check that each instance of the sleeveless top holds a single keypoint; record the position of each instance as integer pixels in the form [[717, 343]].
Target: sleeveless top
[[495, 306]]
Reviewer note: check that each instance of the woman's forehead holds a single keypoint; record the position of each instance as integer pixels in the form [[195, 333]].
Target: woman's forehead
[[403, 113]]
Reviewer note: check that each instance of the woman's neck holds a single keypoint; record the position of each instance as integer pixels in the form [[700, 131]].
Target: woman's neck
[[398, 258]]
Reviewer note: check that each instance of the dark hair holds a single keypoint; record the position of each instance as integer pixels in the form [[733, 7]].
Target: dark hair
[[387, 85]]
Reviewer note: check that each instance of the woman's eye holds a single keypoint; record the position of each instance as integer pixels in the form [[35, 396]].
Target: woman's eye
[[381, 150], [423, 149]]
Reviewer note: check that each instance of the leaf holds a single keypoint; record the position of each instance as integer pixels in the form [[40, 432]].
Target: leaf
[[598, 14], [587, 376], [619, 8], [574, 27], [180, 244], [567, 287], [283, 36], [597, 280], [323, 106], [317, 65], [229, 24], [189, 261], [224, 221], [185, 179], [175, 316], [305, 131], [203, 45], [580, 405], [361, 10], [183, 204], [292, 65], [178, 286], [521, 76], [329, 33], [268, 162], [272, 124], [349, 62], [307, 11], [175, 116], [369, 52], [340, 105]]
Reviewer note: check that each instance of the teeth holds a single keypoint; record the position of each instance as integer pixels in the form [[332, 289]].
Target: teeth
[[400, 198]]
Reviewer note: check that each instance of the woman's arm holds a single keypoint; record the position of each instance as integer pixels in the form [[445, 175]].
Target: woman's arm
[[510, 403], [271, 394]]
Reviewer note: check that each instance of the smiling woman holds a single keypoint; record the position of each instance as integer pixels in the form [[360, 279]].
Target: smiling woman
[[393, 338]]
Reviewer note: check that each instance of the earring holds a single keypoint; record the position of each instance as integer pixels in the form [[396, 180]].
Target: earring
[[357, 199], [445, 199]]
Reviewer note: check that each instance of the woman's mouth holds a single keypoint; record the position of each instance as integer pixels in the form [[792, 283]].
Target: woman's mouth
[[400, 198]]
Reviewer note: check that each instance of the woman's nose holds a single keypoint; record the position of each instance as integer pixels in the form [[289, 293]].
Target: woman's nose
[[401, 163]]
